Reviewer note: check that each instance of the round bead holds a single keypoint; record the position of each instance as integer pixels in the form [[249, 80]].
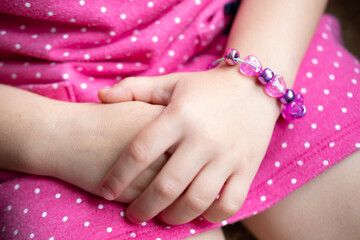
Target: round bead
[[265, 76], [231, 56], [288, 97]]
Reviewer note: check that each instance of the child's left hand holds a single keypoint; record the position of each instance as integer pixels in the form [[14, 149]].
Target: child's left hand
[[217, 125]]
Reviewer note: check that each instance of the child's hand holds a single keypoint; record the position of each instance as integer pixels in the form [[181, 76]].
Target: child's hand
[[217, 125]]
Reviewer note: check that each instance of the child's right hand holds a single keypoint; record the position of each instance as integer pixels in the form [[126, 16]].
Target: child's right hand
[[89, 139]]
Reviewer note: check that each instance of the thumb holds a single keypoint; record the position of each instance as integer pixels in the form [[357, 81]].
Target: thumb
[[155, 90]]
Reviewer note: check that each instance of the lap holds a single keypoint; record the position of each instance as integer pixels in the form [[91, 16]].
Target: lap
[[324, 208]]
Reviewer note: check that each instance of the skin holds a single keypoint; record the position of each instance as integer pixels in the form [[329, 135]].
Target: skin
[[216, 139]]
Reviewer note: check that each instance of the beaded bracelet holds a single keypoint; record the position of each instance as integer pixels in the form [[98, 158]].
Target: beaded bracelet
[[293, 105]]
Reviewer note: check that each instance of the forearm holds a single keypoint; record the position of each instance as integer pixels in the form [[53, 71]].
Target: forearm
[[24, 119], [278, 32]]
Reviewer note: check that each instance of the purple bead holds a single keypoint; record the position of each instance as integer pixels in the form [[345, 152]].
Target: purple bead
[[266, 76], [296, 108], [251, 66], [231, 56], [276, 87], [288, 97]]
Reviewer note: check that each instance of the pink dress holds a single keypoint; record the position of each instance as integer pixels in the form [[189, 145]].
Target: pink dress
[[69, 49]]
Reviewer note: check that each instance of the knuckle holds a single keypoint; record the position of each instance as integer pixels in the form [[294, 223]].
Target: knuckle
[[166, 189], [139, 152], [196, 204]]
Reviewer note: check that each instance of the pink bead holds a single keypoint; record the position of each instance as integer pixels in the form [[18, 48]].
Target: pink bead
[[296, 107], [276, 87], [249, 70]]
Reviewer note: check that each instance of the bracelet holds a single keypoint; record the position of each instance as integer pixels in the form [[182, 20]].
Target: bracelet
[[293, 105]]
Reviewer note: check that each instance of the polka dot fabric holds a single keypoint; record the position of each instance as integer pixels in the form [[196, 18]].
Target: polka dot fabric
[[69, 50]]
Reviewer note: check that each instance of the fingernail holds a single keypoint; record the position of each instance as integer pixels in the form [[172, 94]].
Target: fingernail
[[107, 194], [132, 218], [107, 88]]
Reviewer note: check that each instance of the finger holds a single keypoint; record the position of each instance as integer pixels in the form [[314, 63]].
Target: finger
[[156, 90], [198, 197], [140, 153], [231, 199], [171, 182]]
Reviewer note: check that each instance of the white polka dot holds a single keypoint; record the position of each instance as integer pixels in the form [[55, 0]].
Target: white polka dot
[[26, 211], [320, 108], [47, 46], [277, 164], [332, 144], [99, 68], [309, 75], [72, 20], [356, 70], [133, 235], [344, 110], [9, 208], [3, 32], [319, 48], [357, 145], [326, 162], [122, 213], [158, 238], [123, 16], [291, 126], [307, 145], [65, 219], [324, 35], [83, 29], [103, 9], [336, 64], [65, 76], [50, 14], [51, 238], [101, 206], [224, 222], [136, 32], [32, 235], [83, 85], [328, 27], [119, 66], [339, 54], [37, 190], [349, 94], [270, 181], [44, 214], [293, 181], [177, 20], [155, 39], [27, 4], [87, 56], [150, 4], [58, 195], [181, 36], [133, 39], [300, 163], [66, 54], [22, 27], [55, 86], [196, 41], [171, 53], [65, 36], [192, 231], [86, 224], [78, 200], [16, 187], [17, 46], [148, 55], [16, 232], [337, 127], [263, 198], [109, 229], [143, 224], [82, 2], [326, 91], [313, 126], [139, 21], [354, 81], [284, 145], [332, 77], [53, 30], [314, 61], [303, 90], [161, 70]]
